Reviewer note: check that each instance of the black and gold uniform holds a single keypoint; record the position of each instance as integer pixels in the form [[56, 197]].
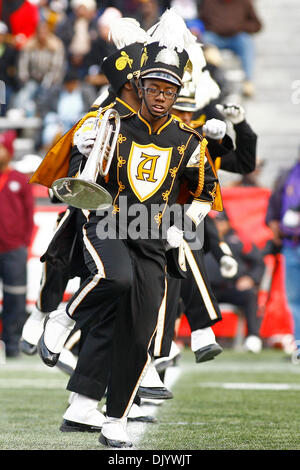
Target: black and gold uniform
[[149, 169], [135, 269], [240, 159], [198, 300]]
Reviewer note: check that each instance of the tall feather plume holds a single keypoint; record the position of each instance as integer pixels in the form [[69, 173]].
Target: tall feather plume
[[171, 32], [207, 89], [198, 61], [126, 31]]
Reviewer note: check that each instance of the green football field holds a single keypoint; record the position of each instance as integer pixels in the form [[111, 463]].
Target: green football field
[[238, 401]]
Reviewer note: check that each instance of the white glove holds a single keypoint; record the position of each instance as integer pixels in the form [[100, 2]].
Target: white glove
[[214, 128], [174, 236], [228, 266], [85, 141], [197, 211], [233, 112]]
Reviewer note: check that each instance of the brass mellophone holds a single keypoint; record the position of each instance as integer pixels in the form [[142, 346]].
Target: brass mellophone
[[83, 192]]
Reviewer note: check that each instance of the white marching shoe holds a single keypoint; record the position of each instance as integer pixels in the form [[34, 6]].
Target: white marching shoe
[[67, 361], [136, 414], [82, 415], [32, 331], [57, 328], [204, 345], [152, 386], [162, 363], [253, 344], [113, 433]]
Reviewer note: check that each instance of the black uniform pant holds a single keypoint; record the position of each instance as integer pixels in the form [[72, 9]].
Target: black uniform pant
[[55, 279], [52, 288], [246, 300], [132, 274], [92, 370], [199, 302], [161, 344]]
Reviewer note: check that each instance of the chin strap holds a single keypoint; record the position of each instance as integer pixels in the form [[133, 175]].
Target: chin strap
[[135, 88]]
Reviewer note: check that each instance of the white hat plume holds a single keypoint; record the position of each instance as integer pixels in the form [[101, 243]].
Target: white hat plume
[[171, 32], [126, 31]]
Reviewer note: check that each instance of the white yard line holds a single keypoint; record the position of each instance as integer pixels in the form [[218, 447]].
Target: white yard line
[[152, 408], [250, 386], [55, 384]]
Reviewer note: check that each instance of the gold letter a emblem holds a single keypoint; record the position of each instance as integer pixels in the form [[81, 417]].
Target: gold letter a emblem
[[141, 170]]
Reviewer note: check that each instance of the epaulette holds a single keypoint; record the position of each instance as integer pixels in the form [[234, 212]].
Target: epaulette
[[187, 128], [199, 122], [92, 114]]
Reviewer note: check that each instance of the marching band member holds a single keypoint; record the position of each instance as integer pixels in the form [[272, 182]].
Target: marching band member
[[201, 314], [153, 156]]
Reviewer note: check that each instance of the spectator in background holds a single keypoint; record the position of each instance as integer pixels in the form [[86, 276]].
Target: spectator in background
[[283, 218], [41, 66], [77, 31], [230, 24], [65, 107], [21, 17], [148, 13], [242, 290], [121, 5], [16, 207], [188, 9], [101, 47], [8, 66], [27, 165], [128, 7], [252, 179], [52, 12]]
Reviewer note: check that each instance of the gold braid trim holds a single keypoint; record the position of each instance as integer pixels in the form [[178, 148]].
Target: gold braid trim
[[121, 162], [198, 122], [199, 188]]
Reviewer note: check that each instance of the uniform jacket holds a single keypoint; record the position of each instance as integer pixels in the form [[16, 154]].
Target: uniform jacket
[[284, 197], [16, 210], [136, 163]]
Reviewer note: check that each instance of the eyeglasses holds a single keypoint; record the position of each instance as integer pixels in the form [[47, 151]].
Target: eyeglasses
[[156, 92]]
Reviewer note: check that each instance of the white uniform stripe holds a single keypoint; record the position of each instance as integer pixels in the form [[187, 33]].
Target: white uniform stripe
[[200, 282], [43, 281], [97, 277], [73, 340], [65, 216], [160, 323]]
